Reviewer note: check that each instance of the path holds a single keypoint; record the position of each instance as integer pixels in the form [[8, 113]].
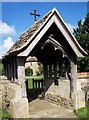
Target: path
[[44, 109]]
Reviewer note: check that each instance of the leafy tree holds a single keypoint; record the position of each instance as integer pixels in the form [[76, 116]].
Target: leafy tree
[[82, 35], [28, 71]]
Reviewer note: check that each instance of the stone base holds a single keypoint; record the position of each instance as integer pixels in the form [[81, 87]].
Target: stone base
[[78, 99], [59, 100], [81, 99], [75, 100], [19, 108], [14, 91]]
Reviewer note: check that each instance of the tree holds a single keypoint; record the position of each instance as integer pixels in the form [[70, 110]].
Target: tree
[[82, 35], [28, 71]]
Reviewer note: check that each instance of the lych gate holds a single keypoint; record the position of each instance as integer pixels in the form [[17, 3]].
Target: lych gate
[[50, 41]]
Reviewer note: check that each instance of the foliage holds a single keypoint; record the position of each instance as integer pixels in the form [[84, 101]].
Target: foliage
[[82, 35], [4, 114], [83, 112], [6, 101], [28, 71]]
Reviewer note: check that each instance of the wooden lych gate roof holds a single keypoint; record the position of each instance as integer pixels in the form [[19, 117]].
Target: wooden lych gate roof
[[27, 41]]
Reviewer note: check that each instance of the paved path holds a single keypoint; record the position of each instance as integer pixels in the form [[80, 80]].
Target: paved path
[[45, 109]]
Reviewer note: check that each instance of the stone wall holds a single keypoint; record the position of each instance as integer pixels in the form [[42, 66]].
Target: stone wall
[[59, 100], [62, 89], [59, 94], [3, 84], [19, 107], [3, 88]]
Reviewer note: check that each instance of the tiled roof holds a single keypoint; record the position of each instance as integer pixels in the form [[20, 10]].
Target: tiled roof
[[27, 36]]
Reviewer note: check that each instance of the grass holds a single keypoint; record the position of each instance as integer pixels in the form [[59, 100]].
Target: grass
[[4, 114], [83, 112]]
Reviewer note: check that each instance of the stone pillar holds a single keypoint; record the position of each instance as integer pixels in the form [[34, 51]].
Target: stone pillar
[[73, 83], [19, 108], [21, 74], [73, 76], [78, 100]]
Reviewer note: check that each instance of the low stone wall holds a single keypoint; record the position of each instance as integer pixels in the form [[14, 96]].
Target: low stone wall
[[14, 91], [19, 107], [60, 94], [59, 100], [3, 88], [60, 89], [3, 84]]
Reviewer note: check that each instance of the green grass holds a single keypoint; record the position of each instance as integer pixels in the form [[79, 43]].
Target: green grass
[[83, 112], [4, 114]]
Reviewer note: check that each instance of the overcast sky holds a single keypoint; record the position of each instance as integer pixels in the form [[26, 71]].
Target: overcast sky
[[16, 18]]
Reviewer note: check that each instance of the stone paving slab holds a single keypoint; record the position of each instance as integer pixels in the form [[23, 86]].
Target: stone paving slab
[[44, 109]]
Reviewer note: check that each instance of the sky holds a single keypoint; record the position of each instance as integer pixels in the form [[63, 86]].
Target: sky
[[16, 18]]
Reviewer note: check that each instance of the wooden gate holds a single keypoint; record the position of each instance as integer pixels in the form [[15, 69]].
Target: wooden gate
[[37, 86]]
